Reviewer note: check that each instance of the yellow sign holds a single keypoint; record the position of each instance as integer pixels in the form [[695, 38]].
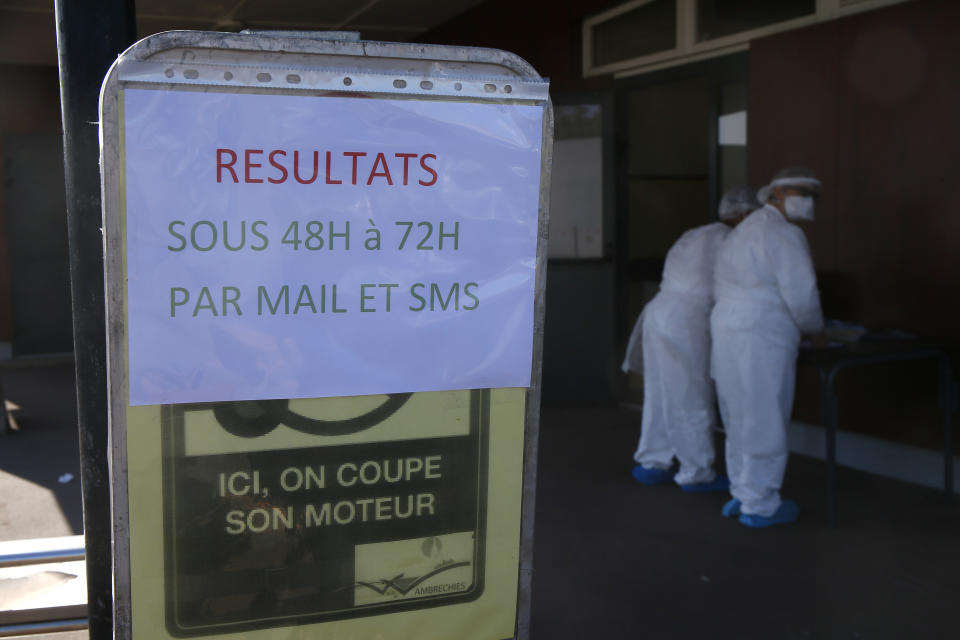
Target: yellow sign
[[388, 517]]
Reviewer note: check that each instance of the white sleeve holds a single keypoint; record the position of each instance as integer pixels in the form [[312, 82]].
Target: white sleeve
[[633, 360], [797, 280]]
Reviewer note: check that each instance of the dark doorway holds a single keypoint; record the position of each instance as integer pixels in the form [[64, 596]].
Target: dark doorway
[[37, 244], [681, 143]]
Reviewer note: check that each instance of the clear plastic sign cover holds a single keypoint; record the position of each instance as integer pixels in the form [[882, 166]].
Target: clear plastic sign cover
[[286, 246]]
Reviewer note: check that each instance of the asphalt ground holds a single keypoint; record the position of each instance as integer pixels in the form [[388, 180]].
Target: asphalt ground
[[614, 559], [34, 502]]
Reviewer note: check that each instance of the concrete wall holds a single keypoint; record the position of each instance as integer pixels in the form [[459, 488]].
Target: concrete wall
[[579, 361]]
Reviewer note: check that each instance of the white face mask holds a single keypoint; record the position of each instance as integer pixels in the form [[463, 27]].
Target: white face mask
[[798, 207]]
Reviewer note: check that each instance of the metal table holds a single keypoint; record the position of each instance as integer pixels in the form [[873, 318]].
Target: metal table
[[831, 361]]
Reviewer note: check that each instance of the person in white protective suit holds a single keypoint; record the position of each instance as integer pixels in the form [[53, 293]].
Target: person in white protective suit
[[670, 345], [766, 298]]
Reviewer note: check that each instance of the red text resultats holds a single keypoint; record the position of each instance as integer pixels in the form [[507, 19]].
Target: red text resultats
[[356, 167]]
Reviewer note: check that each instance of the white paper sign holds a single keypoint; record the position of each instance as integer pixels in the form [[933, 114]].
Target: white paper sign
[[296, 246]]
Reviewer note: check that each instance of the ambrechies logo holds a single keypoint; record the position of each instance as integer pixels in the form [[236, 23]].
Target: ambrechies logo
[[417, 568]]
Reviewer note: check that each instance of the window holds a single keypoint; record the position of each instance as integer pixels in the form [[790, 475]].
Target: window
[[718, 18], [576, 188], [732, 135], [648, 28], [644, 35]]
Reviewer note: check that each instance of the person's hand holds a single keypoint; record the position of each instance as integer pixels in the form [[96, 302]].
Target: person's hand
[[819, 340]]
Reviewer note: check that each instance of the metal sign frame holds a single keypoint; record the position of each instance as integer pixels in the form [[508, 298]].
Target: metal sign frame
[[303, 63]]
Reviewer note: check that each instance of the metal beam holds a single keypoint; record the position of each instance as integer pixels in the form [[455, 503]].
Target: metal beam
[[90, 36]]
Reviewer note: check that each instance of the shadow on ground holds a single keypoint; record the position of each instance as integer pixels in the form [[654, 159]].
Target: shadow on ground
[[45, 448]]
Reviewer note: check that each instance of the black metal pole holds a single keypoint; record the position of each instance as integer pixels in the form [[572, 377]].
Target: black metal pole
[[90, 36], [828, 408], [948, 403], [828, 417]]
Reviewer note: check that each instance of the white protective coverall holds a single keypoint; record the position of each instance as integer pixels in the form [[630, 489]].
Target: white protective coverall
[[766, 297], [674, 334]]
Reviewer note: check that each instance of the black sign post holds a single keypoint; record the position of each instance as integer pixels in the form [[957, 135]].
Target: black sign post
[[90, 36]]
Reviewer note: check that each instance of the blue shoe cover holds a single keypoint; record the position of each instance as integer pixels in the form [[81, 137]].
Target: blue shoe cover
[[786, 513], [650, 476], [720, 483], [731, 508]]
